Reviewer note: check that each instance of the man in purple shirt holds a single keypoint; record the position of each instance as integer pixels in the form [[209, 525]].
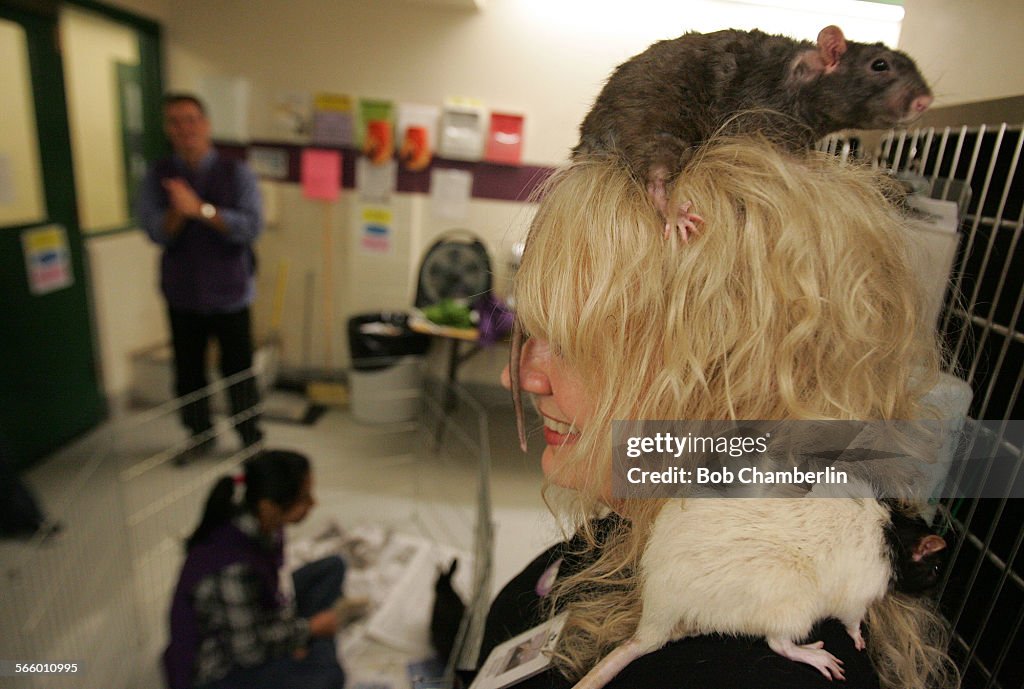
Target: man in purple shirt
[[205, 211]]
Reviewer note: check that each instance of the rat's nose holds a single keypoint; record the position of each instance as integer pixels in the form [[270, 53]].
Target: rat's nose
[[921, 103]]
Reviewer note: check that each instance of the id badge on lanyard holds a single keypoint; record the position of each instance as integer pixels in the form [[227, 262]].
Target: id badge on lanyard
[[522, 656]]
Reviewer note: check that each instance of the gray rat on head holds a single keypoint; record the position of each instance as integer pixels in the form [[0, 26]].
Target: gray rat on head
[[659, 106], [773, 567]]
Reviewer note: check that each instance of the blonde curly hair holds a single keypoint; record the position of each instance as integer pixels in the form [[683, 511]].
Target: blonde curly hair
[[796, 301]]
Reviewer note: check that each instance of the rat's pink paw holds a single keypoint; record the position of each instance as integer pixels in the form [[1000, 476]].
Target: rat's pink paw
[[686, 223], [858, 638], [814, 655]]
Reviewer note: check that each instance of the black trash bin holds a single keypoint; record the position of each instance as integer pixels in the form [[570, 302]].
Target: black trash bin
[[385, 382], [379, 340]]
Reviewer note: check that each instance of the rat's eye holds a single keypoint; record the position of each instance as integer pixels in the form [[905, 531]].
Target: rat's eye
[[880, 65]]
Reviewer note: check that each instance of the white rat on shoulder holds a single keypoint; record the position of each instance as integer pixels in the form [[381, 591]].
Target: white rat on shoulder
[[773, 568]]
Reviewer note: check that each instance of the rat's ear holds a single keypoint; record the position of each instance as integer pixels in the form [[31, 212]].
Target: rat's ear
[[831, 46], [807, 67], [928, 545]]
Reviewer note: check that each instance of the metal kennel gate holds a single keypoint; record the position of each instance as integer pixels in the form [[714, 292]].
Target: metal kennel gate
[[982, 594]]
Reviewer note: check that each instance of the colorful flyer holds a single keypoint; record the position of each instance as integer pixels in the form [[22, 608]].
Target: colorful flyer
[[333, 117], [377, 122], [321, 174], [417, 131], [376, 236], [505, 139], [379, 144], [47, 259], [462, 130]]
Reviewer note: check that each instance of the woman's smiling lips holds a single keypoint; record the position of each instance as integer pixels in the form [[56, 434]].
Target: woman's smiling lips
[[559, 433]]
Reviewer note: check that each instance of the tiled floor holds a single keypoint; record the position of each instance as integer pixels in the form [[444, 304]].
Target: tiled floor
[[125, 508]]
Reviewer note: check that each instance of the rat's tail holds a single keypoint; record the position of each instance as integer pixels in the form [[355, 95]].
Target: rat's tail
[[613, 663]]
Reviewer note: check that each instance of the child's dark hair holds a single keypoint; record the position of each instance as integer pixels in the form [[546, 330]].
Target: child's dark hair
[[275, 475]]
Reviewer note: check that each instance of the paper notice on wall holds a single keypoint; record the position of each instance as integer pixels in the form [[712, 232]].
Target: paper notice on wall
[[450, 191], [268, 162], [321, 174], [376, 183], [47, 259], [417, 133], [462, 130], [377, 130], [376, 230], [333, 120], [505, 139], [290, 115]]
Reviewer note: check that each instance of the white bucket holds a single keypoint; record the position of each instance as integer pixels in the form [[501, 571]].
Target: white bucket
[[387, 395]]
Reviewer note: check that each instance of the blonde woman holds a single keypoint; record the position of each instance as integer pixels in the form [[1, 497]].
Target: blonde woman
[[796, 301]]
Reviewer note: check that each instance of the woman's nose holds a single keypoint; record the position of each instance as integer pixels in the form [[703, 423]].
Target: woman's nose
[[535, 361]]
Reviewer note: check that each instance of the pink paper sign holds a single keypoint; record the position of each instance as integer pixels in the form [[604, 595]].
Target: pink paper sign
[[505, 140], [321, 174]]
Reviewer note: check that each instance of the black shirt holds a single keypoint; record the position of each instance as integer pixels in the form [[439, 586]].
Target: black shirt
[[702, 662]]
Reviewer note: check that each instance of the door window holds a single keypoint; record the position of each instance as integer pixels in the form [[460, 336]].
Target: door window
[[21, 178]]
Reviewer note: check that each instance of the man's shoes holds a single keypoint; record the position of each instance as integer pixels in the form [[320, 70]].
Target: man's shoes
[[195, 451], [43, 530], [49, 529]]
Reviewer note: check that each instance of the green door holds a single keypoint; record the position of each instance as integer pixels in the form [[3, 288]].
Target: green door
[[49, 390]]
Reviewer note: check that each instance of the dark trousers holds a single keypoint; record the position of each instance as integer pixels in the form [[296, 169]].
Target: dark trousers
[[317, 586], [20, 514], [190, 336]]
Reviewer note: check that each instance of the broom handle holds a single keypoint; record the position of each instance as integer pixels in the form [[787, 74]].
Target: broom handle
[[328, 287], [308, 297], [277, 311]]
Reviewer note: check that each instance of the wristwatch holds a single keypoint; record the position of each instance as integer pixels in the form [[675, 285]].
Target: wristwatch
[[208, 210]]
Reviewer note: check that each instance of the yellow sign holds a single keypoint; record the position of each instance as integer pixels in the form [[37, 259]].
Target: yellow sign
[[47, 259]]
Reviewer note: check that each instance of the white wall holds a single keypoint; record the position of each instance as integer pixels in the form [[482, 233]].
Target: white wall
[[363, 281], [545, 58], [21, 175], [970, 51]]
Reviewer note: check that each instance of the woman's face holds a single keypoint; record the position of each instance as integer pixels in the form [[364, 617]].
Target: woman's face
[[303, 503], [560, 397], [272, 516]]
